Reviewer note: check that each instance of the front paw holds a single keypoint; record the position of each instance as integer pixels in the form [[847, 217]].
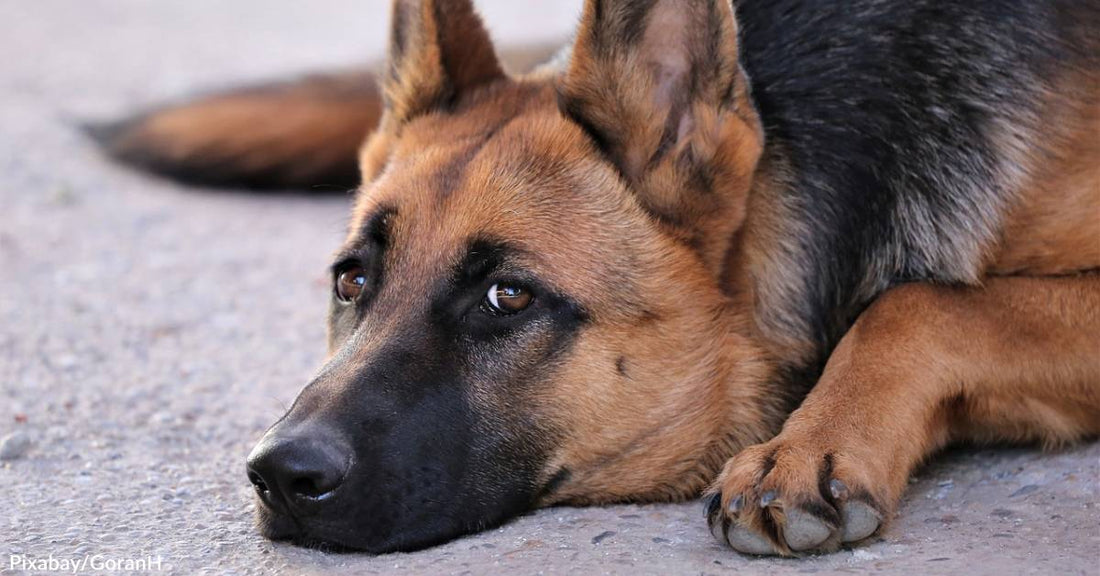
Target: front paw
[[799, 495]]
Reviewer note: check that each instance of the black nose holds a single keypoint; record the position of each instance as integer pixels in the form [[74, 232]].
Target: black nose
[[297, 471]]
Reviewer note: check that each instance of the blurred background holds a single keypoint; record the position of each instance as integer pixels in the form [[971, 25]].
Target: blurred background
[[149, 333], [93, 49]]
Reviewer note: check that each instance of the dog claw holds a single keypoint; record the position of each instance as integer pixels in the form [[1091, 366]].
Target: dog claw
[[736, 504], [859, 519], [838, 489], [715, 519], [718, 527], [748, 542], [767, 498], [712, 505], [804, 531]]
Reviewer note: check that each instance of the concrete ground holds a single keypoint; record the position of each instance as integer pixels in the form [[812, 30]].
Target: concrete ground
[[149, 334]]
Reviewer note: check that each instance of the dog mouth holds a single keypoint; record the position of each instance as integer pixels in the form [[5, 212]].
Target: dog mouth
[[281, 526], [328, 533], [340, 543], [325, 546]]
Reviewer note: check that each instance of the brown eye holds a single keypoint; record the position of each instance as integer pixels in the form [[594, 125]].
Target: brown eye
[[349, 284], [505, 299]]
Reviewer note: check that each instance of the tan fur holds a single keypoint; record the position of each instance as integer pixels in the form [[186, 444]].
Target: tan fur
[[1055, 227]]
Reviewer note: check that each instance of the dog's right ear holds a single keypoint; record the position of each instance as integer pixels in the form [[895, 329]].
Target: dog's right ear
[[438, 49]]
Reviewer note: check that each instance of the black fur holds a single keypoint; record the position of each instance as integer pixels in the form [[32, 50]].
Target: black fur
[[888, 112], [627, 22]]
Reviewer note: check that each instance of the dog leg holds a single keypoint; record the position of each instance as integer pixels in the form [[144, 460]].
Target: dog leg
[[1017, 360]]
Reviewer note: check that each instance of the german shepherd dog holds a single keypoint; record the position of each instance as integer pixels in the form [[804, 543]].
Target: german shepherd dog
[[776, 253]]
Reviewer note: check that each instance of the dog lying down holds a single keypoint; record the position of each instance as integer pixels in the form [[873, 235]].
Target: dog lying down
[[775, 254]]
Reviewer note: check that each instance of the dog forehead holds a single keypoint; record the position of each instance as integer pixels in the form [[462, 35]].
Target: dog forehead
[[531, 180], [511, 174]]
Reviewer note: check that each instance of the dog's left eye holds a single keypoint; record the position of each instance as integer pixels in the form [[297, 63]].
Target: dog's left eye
[[506, 299]]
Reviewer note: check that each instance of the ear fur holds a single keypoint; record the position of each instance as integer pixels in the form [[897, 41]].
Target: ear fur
[[438, 49], [658, 85]]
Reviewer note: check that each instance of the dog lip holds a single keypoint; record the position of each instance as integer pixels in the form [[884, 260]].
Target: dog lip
[[278, 525], [274, 509], [327, 544]]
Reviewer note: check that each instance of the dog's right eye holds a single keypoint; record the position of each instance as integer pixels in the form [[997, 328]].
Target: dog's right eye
[[350, 283]]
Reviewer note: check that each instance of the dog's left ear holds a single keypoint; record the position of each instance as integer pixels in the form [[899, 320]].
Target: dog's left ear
[[658, 85], [438, 50]]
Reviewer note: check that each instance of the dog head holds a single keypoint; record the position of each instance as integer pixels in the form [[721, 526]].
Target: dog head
[[528, 308]]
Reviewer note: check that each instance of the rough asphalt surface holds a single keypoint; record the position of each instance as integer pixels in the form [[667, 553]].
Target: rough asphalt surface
[[150, 333]]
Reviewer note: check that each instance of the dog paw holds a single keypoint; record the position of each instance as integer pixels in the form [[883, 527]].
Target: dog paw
[[788, 497]]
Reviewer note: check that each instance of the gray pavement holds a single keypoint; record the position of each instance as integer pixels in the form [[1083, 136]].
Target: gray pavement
[[150, 333]]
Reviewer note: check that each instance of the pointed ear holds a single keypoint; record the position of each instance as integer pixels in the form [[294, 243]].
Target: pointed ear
[[658, 85], [438, 49]]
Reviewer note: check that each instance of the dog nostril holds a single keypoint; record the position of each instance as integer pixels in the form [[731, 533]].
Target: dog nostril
[[307, 487], [315, 483], [257, 482]]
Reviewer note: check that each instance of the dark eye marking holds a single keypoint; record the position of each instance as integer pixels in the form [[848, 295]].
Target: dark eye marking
[[487, 263], [492, 292]]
